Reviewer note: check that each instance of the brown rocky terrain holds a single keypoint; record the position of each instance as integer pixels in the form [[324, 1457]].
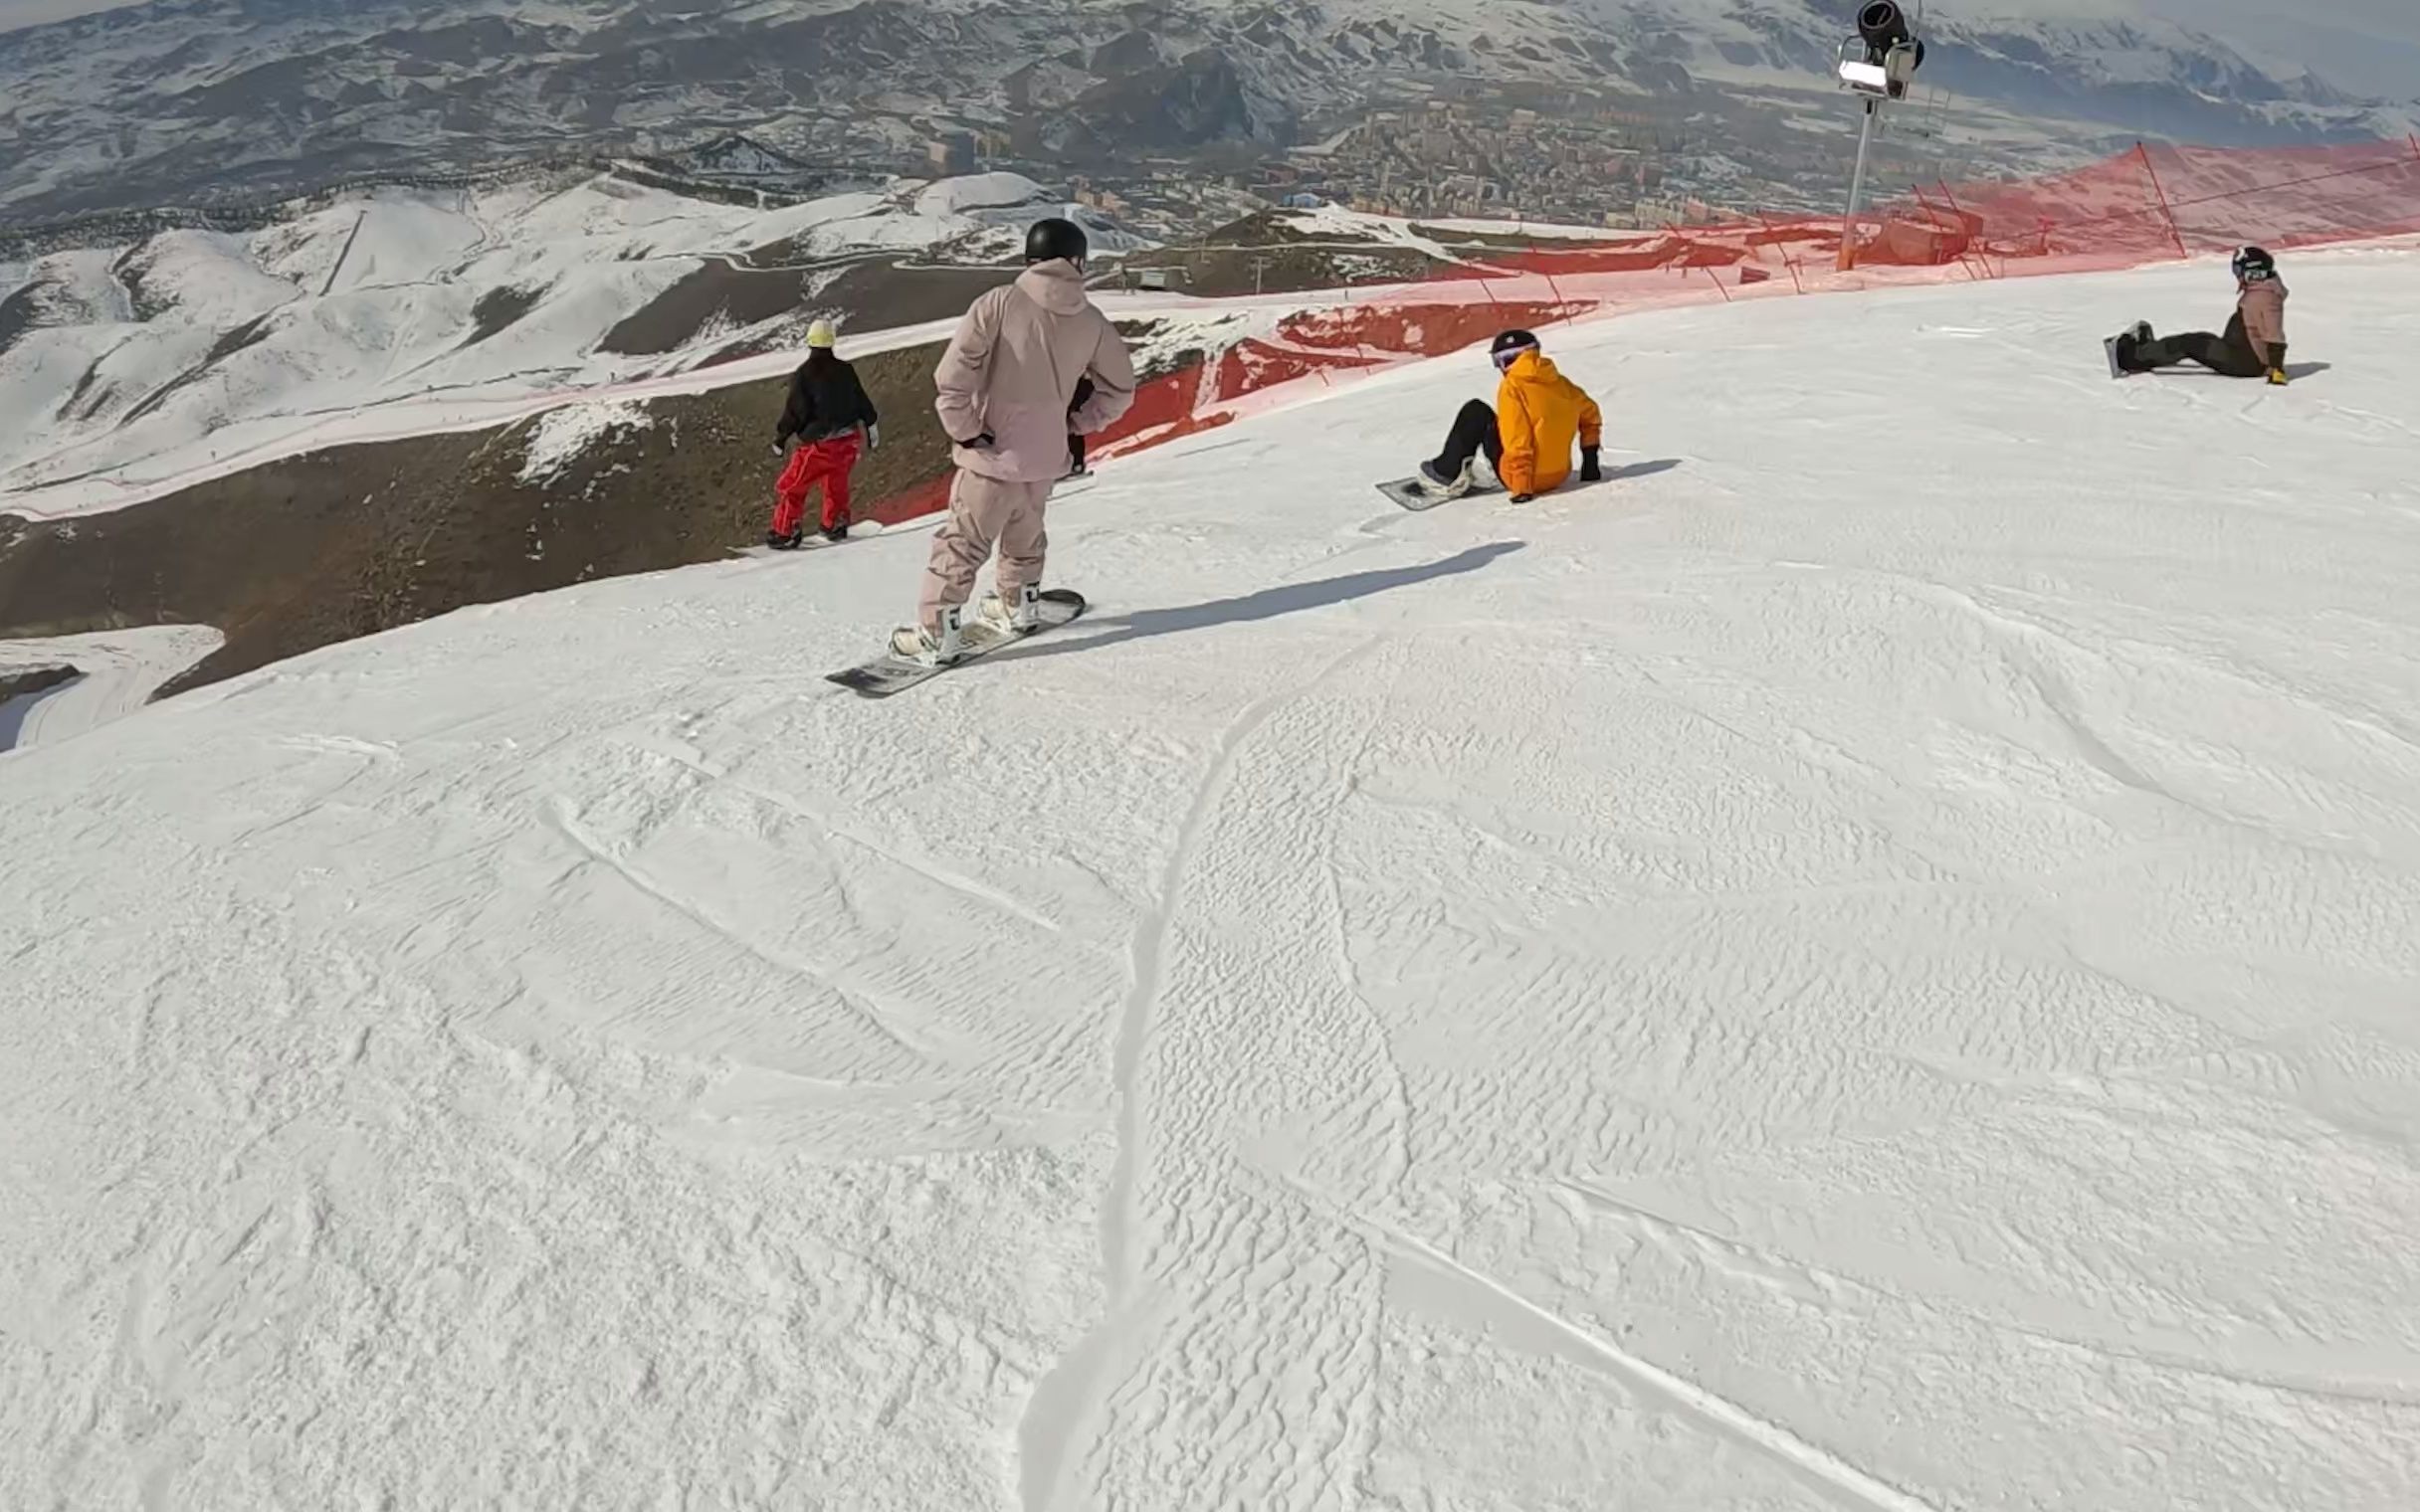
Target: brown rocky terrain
[[355, 539]]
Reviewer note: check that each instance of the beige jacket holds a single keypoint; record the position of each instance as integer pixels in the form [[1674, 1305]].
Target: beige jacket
[[2263, 306], [1011, 370]]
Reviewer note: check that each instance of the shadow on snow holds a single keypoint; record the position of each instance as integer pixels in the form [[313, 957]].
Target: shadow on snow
[[1266, 604]]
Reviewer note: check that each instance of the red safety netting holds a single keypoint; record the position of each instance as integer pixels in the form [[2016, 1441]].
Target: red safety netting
[[2146, 204]]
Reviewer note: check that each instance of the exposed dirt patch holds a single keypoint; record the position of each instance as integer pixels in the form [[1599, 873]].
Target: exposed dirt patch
[[877, 294], [351, 540], [20, 316], [251, 333], [499, 309], [717, 292], [35, 679], [1511, 239], [1287, 268]]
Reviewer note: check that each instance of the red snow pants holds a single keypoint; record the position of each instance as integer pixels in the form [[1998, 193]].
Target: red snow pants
[[826, 461]]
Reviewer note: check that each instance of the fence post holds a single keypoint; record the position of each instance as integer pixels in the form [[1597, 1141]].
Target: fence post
[[2174, 235], [1782, 247], [1552, 287], [1719, 289]]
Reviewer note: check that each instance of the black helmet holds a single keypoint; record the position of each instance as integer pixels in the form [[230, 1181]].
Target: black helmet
[[1508, 345], [2253, 264], [1055, 238]]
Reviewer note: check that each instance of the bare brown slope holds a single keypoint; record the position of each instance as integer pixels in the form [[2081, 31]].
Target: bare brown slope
[[351, 540]]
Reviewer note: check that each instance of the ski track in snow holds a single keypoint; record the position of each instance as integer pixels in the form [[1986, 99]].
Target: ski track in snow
[[1807, 978]]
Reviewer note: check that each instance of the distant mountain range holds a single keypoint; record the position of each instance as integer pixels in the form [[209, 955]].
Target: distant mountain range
[[185, 98]]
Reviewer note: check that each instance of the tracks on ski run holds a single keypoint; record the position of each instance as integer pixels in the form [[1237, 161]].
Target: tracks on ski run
[[1073, 1405]]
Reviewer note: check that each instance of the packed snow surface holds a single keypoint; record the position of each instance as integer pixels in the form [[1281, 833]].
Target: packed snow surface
[[1867, 963]]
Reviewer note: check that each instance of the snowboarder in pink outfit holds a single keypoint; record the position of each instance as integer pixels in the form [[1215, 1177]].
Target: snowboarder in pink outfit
[[1007, 400]]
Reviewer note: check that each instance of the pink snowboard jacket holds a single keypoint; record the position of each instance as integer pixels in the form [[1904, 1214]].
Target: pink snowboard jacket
[[1011, 371], [2263, 306]]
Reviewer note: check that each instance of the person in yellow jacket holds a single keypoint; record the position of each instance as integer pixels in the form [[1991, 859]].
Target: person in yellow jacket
[[1526, 438]]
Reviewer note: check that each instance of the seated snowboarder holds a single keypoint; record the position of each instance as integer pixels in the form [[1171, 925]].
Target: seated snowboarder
[[826, 414], [1527, 437], [2253, 346]]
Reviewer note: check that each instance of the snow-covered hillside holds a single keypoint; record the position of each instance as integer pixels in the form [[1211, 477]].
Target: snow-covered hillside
[[194, 346], [1865, 964]]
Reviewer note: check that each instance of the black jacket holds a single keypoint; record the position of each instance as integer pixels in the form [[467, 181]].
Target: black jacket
[[825, 400]]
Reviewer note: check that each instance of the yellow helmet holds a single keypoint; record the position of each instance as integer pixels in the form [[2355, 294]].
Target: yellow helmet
[[820, 334]]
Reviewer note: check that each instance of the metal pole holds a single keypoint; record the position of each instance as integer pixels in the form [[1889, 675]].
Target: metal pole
[[1856, 188]]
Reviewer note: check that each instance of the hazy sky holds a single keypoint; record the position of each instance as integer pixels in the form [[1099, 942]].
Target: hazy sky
[[2368, 46]]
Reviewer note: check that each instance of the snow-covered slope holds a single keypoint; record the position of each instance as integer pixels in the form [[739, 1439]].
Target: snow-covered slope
[[192, 348], [1868, 964]]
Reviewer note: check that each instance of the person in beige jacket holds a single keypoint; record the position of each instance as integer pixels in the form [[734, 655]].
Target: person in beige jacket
[[1006, 397], [2253, 345]]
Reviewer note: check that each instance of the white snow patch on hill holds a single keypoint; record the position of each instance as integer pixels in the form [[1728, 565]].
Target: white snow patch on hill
[[1865, 963], [558, 437], [980, 191]]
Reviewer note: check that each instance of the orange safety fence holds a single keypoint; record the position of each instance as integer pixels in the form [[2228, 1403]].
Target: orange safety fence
[[2146, 204]]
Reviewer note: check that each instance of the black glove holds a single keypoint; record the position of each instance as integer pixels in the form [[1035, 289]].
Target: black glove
[[978, 444], [1589, 471], [1522, 498], [780, 448]]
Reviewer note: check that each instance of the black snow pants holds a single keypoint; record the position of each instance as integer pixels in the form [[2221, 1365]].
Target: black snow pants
[[2217, 353], [1074, 441], [1473, 431]]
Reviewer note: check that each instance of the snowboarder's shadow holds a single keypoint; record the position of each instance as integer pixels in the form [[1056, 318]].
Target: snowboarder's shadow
[[1266, 604], [2297, 371], [1643, 468]]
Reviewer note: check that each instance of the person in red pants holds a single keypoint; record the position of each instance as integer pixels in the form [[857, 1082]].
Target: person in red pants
[[827, 415]]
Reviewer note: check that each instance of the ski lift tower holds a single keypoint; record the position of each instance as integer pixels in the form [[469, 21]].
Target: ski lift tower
[[1877, 65]]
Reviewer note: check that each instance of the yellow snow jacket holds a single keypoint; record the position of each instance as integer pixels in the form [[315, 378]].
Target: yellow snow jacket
[[1538, 413]]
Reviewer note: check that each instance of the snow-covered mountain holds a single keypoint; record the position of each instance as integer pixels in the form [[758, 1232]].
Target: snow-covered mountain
[[180, 96], [197, 344], [1808, 976]]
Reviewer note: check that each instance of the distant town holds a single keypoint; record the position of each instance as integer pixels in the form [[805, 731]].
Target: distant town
[[1560, 157]]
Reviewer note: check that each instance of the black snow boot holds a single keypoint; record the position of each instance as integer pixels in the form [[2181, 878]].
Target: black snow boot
[[780, 542]]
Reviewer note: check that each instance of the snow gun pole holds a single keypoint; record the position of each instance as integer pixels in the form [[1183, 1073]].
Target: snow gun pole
[[1856, 188]]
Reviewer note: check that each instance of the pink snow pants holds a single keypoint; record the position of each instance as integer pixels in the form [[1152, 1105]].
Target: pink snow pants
[[983, 512]]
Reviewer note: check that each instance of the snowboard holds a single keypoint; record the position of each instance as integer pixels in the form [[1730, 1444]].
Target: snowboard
[[891, 673], [863, 531], [2140, 331], [1417, 494]]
